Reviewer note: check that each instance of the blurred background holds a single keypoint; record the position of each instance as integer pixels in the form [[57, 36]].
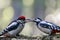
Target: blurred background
[[48, 10]]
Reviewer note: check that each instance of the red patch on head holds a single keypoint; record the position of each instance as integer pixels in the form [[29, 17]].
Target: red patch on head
[[21, 17]]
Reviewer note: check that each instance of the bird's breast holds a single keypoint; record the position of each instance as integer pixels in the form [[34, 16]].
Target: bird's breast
[[45, 30], [18, 30]]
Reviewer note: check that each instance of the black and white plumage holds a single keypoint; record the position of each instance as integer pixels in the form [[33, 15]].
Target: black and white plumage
[[14, 28], [45, 26]]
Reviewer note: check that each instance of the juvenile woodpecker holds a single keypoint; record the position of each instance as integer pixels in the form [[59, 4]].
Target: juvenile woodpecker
[[15, 27]]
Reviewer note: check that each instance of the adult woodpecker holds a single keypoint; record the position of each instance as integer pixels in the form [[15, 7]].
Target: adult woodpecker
[[15, 27], [47, 27]]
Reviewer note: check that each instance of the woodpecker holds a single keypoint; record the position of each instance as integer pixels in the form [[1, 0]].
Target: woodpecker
[[46, 27], [15, 27]]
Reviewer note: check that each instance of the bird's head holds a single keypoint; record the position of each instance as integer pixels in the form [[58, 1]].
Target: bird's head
[[37, 20], [21, 18]]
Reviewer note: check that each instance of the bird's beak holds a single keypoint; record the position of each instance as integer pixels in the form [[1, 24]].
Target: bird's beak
[[30, 20]]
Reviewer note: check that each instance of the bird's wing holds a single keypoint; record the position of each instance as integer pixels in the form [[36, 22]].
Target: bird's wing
[[11, 27], [46, 25]]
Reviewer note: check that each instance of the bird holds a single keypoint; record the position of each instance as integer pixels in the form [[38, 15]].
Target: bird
[[14, 28], [46, 27]]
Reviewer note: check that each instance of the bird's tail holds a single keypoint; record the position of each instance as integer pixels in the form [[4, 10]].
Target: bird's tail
[[1, 34]]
